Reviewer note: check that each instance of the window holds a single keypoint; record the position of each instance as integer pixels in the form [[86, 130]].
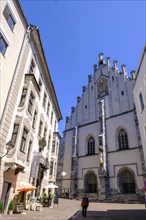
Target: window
[[3, 44], [9, 16], [32, 67], [53, 147], [34, 119], [123, 139], [48, 108], [40, 84], [141, 101], [29, 151], [40, 128], [91, 146], [55, 126], [15, 132], [44, 100], [23, 140], [122, 92], [30, 104], [51, 168], [23, 97], [51, 117], [45, 132], [49, 140]]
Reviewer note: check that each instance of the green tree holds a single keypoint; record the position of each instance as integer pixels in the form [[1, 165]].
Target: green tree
[[1, 206]]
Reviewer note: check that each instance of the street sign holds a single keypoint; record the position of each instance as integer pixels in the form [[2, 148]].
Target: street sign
[[145, 191]]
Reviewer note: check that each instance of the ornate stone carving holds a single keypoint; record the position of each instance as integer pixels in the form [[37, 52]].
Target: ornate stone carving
[[21, 156]]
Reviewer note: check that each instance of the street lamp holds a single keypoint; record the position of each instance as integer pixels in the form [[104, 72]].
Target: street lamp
[[63, 175], [9, 146]]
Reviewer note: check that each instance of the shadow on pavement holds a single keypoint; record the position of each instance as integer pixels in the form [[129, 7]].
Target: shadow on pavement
[[111, 215]]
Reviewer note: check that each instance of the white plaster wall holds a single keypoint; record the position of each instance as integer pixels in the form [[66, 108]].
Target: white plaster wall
[[68, 154], [87, 163], [85, 103], [10, 58], [79, 112], [140, 86], [83, 133], [124, 158], [25, 116], [126, 121], [91, 105]]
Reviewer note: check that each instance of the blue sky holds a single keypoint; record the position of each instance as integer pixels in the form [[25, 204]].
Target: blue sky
[[73, 34]]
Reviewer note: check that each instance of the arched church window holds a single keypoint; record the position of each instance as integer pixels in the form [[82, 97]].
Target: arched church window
[[123, 139], [91, 146]]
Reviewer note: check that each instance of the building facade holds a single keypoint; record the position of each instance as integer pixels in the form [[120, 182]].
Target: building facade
[[140, 99], [101, 146], [30, 112]]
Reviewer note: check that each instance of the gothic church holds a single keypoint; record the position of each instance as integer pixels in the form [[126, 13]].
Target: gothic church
[[101, 152]]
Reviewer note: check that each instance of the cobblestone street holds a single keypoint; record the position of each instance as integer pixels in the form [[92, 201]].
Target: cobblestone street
[[70, 210]]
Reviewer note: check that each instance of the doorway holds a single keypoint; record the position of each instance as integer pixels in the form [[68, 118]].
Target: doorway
[[127, 181], [90, 182], [5, 194]]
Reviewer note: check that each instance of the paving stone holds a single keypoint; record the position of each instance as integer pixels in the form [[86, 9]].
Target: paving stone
[[71, 210]]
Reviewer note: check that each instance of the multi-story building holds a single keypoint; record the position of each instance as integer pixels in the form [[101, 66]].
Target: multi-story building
[[140, 99], [30, 111], [101, 147]]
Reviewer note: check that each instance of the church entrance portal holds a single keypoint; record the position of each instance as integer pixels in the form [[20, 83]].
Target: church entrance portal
[[127, 181]]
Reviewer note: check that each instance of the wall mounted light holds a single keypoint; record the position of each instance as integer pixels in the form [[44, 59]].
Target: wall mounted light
[[9, 146]]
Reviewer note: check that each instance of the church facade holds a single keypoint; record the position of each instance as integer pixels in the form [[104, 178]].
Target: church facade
[[101, 152]]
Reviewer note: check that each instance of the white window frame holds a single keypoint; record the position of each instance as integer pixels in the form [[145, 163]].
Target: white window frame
[[6, 39], [12, 13]]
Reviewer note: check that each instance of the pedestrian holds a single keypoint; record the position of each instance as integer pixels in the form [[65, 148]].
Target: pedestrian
[[56, 200], [85, 204], [44, 198], [50, 197]]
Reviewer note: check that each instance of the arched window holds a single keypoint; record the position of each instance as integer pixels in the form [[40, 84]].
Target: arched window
[[123, 139], [90, 182], [91, 146]]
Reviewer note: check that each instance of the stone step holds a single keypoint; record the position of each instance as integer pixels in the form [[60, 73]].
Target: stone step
[[125, 198]]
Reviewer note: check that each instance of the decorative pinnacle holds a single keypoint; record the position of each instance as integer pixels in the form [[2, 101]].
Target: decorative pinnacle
[[101, 59], [108, 61], [115, 62], [124, 71]]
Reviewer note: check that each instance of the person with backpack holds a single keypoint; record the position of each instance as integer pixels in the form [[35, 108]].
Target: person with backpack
[[85, 204]]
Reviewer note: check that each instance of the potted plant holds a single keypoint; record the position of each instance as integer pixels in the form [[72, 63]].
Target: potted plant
[[11, 207], [1, 206]]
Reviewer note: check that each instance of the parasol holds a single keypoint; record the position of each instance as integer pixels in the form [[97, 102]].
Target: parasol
[[25, 187], [51, 186]]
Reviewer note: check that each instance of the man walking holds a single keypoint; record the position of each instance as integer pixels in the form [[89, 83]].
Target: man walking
[[85, 204]]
